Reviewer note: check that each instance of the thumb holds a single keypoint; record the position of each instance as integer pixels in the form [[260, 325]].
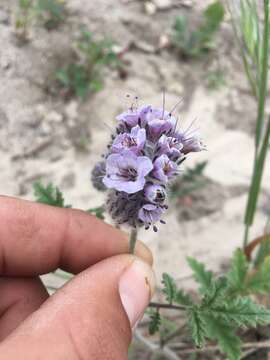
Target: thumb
[[89, 318]]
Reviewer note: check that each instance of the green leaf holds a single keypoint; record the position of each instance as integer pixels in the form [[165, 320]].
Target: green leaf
[[193, 43], [63, 77], [169, 287], [98, 212], [238, 272], [215, 294], [155, 322], [213, 15], [50, 195], [224, 334], [53, 7], [259, 281], [250, 28], [201, 275], [197, 327], [240, 312], [174, 295], [182, 298], [25, 4], [95, 85]]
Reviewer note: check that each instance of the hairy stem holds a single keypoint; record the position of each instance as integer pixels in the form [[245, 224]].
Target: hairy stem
[[132, 240], [167, 306]]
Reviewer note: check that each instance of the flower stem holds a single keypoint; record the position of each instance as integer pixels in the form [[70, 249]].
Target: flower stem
[[167, 306], [132, 240]]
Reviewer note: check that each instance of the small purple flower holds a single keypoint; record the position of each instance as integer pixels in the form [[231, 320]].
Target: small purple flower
[[170, 146], [134, 141], [155, 193], [149, 214], [126, 172], [164, 168], [134, 116], [190, 140], [159, 122]]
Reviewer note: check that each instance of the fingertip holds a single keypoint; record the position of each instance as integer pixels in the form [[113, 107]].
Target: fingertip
[[136, 288]]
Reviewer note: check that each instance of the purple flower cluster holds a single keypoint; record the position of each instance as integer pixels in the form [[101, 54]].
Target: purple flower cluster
[[143, 158]]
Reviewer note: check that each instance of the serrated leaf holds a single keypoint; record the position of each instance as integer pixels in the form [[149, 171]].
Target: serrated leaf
[[201, 275], [241, 312], [197, 327], [169, 287], [182, 298], [238, 272], [224, 334], [215, 294], [259, 281], [155, 321], [50, 195]]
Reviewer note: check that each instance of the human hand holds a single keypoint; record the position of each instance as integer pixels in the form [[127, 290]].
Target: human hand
[[91, 317]]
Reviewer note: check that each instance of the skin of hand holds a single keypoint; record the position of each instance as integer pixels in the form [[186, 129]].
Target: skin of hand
[[92, 316]]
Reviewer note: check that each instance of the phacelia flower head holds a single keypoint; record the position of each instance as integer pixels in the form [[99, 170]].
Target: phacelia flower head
[[142, 160]]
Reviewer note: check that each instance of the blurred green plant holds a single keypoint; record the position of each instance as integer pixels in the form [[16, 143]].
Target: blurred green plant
[[85, 75], [215, 79], [195, 43], [247, 31], [224, 305], [51, 195], [51, 12], [23, 19], [253, 43], [191, 181]]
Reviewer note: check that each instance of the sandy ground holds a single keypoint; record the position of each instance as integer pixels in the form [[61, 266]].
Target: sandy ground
[[40, 133]]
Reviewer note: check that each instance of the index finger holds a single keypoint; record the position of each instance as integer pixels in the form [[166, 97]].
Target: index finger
[[36, 239]]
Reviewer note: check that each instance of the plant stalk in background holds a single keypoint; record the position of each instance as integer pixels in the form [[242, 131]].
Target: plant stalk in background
[[261, 138], [254, 48]]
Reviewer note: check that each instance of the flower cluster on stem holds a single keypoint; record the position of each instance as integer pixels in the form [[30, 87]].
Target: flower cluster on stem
[[143, 158]]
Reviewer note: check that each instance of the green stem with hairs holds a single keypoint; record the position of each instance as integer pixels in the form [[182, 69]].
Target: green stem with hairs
[[168, 306], [132, 240]]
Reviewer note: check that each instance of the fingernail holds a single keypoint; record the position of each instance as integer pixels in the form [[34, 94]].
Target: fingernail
[[136, 288]]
